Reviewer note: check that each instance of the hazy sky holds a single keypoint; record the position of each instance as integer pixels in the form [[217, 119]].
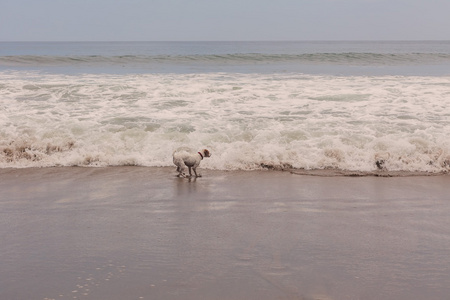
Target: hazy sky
[[175, 20]]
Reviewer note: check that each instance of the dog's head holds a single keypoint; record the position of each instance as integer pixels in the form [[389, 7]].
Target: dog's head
[[206, 153]]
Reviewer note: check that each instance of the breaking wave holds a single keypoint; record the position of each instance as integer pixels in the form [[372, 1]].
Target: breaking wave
[[247, 121], [255, 58]]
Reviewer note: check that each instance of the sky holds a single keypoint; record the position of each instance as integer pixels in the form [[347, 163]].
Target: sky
[[223, 20]]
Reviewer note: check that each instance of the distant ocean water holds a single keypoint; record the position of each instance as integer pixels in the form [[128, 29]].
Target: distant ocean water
[[305, 105]]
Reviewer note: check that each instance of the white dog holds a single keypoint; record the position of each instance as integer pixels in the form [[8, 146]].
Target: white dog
[[185, 157]]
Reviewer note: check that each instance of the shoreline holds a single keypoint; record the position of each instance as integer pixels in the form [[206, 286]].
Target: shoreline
[[142, 233], [377, 173], [302, 172]]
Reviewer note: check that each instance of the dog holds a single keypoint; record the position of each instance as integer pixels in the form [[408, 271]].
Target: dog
[[186, 157]]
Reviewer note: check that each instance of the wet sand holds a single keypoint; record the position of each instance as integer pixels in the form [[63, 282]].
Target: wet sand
[[142, 233]]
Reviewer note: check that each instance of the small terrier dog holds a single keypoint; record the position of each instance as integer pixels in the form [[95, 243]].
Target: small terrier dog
[[186, 157]]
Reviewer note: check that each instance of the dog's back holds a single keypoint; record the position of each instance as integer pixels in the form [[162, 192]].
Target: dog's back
[[186, 156]]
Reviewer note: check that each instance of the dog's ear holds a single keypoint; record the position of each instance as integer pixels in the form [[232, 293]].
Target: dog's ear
[[206, 152]]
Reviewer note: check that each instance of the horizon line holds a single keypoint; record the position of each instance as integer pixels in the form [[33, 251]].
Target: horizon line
[[219, 41]]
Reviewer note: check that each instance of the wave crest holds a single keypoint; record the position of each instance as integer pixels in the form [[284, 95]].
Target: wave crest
[[251, 58]]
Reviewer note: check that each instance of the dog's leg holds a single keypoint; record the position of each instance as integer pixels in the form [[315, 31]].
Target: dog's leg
[[190, 174], [181, 171], [195, 172]]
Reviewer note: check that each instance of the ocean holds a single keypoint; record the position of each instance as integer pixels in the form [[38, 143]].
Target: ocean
[[358, 106]]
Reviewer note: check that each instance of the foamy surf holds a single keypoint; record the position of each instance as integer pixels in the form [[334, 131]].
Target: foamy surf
[[248, 121]]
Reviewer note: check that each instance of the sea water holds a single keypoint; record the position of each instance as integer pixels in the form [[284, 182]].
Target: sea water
[[357, 106]]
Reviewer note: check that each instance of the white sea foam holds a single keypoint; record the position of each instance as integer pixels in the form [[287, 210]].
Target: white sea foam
[[247, 121]]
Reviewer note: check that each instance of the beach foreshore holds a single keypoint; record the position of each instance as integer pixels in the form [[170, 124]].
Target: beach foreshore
[[142, 233]]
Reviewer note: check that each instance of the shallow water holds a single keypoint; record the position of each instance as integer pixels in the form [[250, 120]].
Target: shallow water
[[142, 233]]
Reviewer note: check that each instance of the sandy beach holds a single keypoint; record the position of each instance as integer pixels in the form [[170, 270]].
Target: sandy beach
[[142, 233]]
